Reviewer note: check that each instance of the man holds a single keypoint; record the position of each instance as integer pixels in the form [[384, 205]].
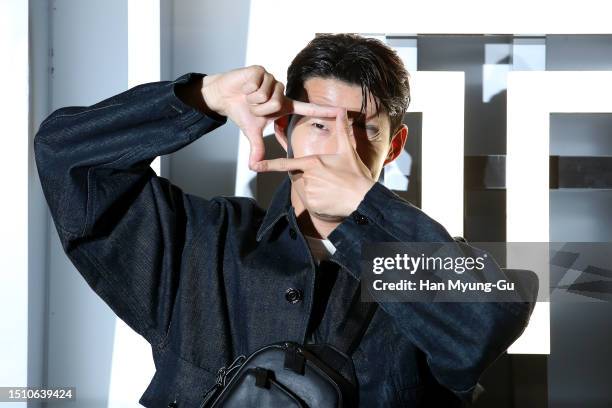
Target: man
[[206, 280]]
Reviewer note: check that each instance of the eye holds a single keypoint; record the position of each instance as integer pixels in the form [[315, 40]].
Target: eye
[[319, 126], [373, 132]]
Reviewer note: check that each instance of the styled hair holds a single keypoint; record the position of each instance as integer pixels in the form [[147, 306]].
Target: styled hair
[[356, 60]]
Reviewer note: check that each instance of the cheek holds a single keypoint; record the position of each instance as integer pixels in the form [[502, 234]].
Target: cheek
[[305, 143], [373, 156]]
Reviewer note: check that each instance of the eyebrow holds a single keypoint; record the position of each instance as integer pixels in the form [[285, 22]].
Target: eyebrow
[[360, 114], [367, 124], [350, 113], [359, 117], [356, 115]]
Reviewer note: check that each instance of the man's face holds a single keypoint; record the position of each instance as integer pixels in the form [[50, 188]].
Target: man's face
[[312, 135]]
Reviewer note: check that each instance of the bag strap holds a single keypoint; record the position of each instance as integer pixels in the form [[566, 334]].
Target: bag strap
[[348, 336], [359, 318]]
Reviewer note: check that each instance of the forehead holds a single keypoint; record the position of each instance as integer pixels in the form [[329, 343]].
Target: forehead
[[333, 92]]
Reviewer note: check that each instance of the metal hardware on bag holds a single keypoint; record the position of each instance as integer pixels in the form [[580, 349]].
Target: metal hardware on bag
[[262, 377], [235, 364], [294, 359], [221, 379]]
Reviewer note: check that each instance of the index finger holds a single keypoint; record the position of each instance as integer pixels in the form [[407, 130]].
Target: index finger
[[311, 109], [344, 132], [286, 164]]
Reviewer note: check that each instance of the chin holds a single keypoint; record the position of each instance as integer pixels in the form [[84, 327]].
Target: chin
[[298, 186]]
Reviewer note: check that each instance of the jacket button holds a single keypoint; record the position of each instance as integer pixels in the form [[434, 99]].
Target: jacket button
[[293, 295], [292, 233], [360, 218]]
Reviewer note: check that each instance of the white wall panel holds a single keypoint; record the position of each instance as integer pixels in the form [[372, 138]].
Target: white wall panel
[[132, 366], [14, 176], [89, 42], [532, 96]]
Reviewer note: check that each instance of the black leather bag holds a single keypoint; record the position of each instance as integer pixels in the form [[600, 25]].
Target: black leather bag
[[287, 374]]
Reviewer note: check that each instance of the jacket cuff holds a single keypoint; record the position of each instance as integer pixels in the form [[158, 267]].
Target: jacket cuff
[[472, 395], [196, 121], [366, 225]]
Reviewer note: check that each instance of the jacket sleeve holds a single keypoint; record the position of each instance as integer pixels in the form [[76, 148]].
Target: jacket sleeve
[[123, 227], [460, 339]]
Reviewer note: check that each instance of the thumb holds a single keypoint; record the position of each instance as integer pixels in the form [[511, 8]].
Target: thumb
[[258, 149]]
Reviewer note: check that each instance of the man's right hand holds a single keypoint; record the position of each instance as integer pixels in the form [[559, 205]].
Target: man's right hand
[[251, 97]]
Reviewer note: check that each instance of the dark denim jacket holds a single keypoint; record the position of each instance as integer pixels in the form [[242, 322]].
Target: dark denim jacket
[[205, 280]]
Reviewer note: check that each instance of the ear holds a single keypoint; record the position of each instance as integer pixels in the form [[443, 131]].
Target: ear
[[397, 144], [280, 130]]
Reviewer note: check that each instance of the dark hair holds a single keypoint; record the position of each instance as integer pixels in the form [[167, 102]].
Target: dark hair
[[357, 60]]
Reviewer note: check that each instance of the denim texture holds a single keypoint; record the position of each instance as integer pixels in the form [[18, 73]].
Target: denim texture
[[205, 280]]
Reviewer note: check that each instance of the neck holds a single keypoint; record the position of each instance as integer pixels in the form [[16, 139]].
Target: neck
[[309, 224]]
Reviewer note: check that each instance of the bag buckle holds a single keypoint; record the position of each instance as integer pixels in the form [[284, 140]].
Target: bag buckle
[[221, 379], [294, 359]]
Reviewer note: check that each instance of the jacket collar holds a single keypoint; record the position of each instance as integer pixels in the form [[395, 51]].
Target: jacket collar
[[279, 206]]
